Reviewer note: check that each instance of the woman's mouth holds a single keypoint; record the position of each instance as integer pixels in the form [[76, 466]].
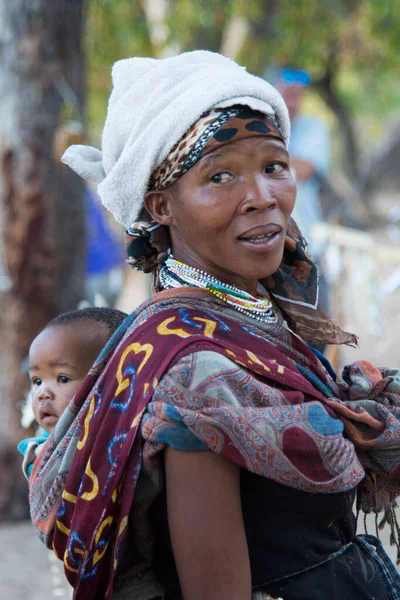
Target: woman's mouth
[[261, 241]]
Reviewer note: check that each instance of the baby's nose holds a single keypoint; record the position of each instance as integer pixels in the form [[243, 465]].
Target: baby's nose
[[45, 392]]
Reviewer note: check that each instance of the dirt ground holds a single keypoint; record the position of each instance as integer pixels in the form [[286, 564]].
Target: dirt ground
[[28, 571]]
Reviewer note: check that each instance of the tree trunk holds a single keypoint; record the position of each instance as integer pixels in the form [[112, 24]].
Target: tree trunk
[[350, 151], [381, 174], [41, 201]]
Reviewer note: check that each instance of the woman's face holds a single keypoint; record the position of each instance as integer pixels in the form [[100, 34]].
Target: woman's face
[[229, 213]]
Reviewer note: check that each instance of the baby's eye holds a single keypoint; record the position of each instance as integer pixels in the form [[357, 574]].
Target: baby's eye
[[222, 177], [36, 381], [63, 379], [274, 168]]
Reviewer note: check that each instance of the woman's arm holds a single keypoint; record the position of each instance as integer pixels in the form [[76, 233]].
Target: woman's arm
[[206, 526]]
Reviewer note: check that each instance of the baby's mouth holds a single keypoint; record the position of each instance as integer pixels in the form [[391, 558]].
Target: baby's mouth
[[47, 415]]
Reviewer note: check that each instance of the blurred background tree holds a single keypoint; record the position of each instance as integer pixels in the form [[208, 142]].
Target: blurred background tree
[[41, 201]]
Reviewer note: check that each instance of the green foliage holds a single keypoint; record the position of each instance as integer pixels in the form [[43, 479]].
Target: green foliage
[[355, 42], [116, 29]]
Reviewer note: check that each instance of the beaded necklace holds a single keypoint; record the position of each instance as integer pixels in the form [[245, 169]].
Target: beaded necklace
[[176, 274]]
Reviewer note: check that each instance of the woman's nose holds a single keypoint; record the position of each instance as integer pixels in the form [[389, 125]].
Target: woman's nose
[[259, 195]]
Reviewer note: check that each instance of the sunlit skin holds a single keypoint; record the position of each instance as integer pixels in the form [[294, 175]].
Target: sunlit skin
[[59, 360], [228, 214]]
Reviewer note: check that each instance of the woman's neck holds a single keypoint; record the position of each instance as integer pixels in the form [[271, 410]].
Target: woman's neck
[[223, 276]]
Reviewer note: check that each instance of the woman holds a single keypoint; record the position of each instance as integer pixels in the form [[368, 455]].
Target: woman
[[210, 453]]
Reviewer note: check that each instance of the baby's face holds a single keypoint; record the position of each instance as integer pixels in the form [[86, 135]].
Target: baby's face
[[59, 360]]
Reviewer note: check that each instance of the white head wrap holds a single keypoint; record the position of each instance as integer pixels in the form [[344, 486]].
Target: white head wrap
[[153, 103]]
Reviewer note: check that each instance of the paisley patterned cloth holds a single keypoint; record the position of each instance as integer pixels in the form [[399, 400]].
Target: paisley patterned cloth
[[84, 481]]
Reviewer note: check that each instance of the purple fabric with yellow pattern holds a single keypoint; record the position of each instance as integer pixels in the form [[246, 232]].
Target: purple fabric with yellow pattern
[[83, 483]]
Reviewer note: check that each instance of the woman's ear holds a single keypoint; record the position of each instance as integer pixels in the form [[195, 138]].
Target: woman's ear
[[157, 205]]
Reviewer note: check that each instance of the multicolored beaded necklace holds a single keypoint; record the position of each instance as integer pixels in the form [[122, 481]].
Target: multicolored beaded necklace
[[177, 274]]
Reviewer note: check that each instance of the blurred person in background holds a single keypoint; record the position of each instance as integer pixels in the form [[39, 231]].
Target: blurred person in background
[[309, 151]]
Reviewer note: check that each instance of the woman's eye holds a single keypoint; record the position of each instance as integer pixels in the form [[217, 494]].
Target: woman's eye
[[64, 379], [274, 168], [36, 381], [223, 177]]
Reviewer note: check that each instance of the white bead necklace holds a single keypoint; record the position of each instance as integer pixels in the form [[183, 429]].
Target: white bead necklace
[[176, 274]]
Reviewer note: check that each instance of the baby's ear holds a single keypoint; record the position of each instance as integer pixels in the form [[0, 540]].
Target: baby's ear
[[158, 204]]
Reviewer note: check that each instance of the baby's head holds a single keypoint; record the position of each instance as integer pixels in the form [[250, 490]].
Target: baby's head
[[61, 356]]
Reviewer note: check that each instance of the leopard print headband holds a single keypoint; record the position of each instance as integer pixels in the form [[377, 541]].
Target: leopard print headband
[[217, 127]]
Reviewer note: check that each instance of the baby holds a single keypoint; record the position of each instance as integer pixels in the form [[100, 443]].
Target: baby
[[59, 360]]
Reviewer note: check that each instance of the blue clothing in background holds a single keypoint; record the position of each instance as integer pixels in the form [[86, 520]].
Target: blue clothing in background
[[103, 251], [310, 141]]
